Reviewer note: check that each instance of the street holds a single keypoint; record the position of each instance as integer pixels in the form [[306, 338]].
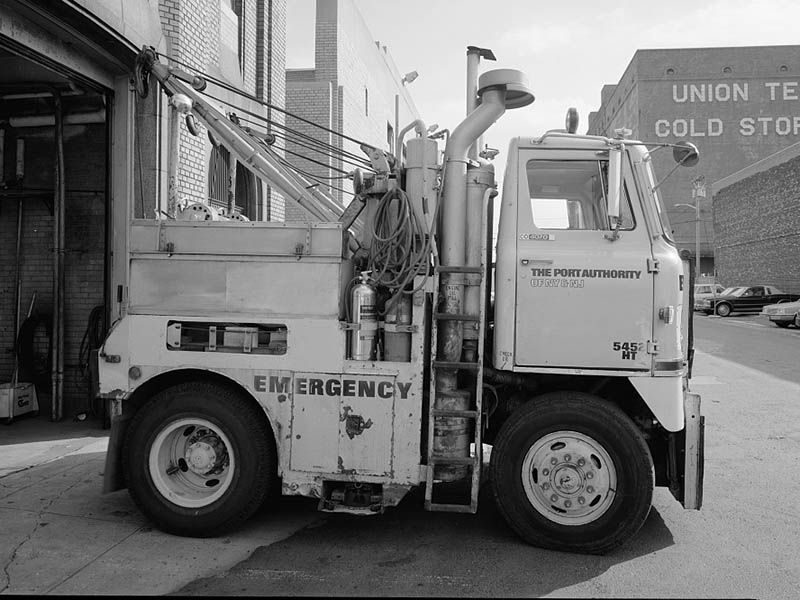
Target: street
[[741, 544]]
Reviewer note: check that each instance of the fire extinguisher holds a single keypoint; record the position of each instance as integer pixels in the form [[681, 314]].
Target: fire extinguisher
[[363, 338]]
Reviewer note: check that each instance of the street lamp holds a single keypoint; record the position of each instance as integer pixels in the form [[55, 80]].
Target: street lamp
[[698, 191]]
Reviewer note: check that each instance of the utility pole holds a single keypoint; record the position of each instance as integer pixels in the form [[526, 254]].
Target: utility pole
[[698, 191]]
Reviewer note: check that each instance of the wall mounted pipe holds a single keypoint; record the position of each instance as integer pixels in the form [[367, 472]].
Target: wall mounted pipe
[[59, 213]]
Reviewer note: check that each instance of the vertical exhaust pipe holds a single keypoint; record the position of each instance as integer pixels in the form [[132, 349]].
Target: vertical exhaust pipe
[[498, 90]]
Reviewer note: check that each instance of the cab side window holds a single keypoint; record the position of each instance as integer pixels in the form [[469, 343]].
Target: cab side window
[[572, 195]]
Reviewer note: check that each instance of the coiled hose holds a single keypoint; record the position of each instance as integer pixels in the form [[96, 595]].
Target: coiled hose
[[401, 247]]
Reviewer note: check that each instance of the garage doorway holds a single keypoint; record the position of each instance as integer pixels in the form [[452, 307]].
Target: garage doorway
[[44, 174]]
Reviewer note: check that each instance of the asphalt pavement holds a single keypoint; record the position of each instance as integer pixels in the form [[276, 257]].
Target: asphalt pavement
[[61, 535]]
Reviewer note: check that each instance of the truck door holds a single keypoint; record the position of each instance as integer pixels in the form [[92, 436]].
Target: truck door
[[584, 296]]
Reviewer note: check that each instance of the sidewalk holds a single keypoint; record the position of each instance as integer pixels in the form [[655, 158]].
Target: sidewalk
[[60, 535]]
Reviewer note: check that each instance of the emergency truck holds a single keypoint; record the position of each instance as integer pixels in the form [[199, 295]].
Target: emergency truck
[[383, 346]]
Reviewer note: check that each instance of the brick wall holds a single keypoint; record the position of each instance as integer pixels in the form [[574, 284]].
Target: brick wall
[[363, 84], [757, 225], [85, 156], [193, 29]]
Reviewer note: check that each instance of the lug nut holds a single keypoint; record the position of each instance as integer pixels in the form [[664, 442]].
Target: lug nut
[[553, 461], [545, 486], [567, 503], [567, 458], [590, 489], [545, 472], [554, 498], [581, 500], [589, 475], [581, 462]]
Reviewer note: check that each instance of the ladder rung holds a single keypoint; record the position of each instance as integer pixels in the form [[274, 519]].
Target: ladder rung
[[456, 317], [460, 508], [442, 269], [443, 364], [452, 460], [443, 412]]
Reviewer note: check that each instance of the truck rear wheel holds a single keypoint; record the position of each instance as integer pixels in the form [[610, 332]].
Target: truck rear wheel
[[198, 459], [572, 472]]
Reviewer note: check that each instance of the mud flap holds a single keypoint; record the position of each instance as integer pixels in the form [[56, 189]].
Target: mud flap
[[694, 454], [113, 478], [687, 455]]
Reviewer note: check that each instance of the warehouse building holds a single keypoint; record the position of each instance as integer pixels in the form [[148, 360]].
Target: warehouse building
[[81, 152], [757, 223], [737, 105], [353, 87]]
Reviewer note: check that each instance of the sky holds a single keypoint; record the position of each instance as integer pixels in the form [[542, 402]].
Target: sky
[[569, 49]]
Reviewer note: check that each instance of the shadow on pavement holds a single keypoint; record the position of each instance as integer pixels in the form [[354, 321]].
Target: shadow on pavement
[[26, 429], [410, 552]]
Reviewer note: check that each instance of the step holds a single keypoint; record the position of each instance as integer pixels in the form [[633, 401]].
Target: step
[[456, 317], [443, 364], [444, 412], [443, 269]]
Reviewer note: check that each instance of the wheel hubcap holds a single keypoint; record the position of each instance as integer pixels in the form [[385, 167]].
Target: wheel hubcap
[[191, 462], [569, 478]]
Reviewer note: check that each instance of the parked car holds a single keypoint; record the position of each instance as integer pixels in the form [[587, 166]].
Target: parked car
[[745, 299], [783, 314], [703, 291]]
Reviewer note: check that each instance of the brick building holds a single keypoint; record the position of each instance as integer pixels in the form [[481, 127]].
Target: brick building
[[738, 105], [354, 87], [757, 223], [115, 157]]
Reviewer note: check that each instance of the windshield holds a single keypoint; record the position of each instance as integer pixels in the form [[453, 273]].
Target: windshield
[[737, 291], [662, 214]]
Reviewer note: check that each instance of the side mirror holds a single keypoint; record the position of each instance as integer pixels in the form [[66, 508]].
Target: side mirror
[[685, 154], [614, 181]]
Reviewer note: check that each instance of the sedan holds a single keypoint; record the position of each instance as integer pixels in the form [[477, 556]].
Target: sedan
[[749, 299], [783, 314]]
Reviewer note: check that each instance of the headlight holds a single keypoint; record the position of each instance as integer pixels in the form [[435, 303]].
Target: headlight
[[785, 311]]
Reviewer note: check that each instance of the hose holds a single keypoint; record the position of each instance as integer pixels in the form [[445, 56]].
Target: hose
[[401, 247], [92, 338]]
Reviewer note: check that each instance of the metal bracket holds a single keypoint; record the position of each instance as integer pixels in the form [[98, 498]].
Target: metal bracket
[[653, 265], [652, 346]]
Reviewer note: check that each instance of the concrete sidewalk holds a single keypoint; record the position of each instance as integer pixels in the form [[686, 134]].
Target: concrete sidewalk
[[60, 535]]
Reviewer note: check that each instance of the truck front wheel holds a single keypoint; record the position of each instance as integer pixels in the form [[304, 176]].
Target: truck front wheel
[[572, 472], [198, 459]]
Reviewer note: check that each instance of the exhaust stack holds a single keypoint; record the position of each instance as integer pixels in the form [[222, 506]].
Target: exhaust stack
[[498, 90]]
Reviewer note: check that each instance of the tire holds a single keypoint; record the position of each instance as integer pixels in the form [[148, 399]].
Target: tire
[[782, 324], [605, 473], [723, 309], [199, 459]]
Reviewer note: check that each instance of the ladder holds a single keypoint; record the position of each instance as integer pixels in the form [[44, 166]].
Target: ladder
[[472, 414]]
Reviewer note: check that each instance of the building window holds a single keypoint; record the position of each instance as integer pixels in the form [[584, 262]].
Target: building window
[[245, 189], [670, 71], [238, 8], [366, 102], [727, 70], [783, 68]]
